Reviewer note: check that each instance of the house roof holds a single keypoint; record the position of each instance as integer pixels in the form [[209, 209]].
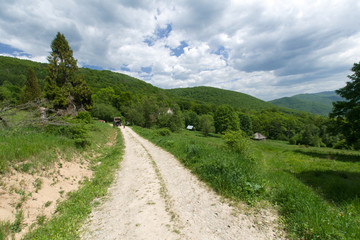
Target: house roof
[[259, 136]]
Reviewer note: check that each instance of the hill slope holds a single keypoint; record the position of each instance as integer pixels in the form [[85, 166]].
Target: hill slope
[[15, 71], [219, 96], [317, 103]]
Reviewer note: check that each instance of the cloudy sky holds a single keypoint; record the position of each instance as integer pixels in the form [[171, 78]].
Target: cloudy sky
[[268, 48]]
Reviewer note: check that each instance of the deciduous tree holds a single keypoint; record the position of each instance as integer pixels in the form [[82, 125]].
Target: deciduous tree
[[226, 119], [347, 112]]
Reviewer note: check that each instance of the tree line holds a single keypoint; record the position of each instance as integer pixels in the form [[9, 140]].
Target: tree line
[[67, 91]]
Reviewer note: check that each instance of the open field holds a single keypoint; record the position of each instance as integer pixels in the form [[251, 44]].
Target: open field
[[316, 190]]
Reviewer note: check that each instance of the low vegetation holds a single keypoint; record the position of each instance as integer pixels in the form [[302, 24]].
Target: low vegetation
[[33, 149], [73, 212], [315, 189]]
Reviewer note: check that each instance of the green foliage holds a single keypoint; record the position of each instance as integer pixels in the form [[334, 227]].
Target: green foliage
[[163, 132], [170, 119], [191, 118], [317, 103], [238, 141], [85, 117], [144, 105], [78, 132], [207, 124], [35, 145], [229, 173], [104, 111], [246, 123], [72, 213], [347, 112], [5, 230], [10, 93], [32, 89], [314, 189], [219, 97], [225, 119], [17, 226], [64, 88]]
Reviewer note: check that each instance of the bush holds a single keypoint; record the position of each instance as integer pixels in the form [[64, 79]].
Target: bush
[[84, 116], [294, 140], [341, 144], [237, 141], [104, 111], [163, 132]]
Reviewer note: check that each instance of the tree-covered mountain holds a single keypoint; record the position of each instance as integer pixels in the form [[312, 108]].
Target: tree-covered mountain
[[317, 103], [14, 71], [140, 103], [219, 96]]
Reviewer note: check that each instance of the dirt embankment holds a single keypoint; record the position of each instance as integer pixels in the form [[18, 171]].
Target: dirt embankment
[[155, 197]]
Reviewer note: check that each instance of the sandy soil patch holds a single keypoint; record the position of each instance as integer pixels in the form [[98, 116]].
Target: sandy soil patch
[[38, 194], [155, 197]]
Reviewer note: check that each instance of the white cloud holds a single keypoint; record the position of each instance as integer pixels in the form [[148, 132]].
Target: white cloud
[[267, 49]]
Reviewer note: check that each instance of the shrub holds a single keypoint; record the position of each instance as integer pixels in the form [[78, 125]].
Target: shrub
[[341, 144], [237, 141], [293, 140], [163, 132], [84, 116], [104, 111]]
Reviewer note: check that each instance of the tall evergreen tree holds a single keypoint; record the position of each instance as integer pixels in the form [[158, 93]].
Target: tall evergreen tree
[[348, 112], [32, 89], [64, 87]]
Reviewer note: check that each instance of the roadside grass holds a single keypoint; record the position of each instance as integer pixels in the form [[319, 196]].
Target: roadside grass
[[26, 148], [30, 149], [227, 172], [71, 213], [316, 190]]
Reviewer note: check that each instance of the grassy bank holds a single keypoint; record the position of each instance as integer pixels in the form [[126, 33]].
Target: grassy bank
[[72, 213], [316, 189], [33, 149]]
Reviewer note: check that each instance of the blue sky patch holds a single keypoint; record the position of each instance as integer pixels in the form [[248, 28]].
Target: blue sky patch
[[222, 51], [146, 69], [7, 49], [179, 50], [159, 33], [163, 32]]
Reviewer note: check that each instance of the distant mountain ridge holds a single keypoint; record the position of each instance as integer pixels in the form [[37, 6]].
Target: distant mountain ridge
[[219, 96], [14, 71], [317, 103]]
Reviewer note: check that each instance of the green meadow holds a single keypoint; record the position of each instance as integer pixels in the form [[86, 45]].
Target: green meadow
[[316, 190]]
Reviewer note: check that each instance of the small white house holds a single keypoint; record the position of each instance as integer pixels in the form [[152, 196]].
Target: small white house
[[259, 136], [190, 127]]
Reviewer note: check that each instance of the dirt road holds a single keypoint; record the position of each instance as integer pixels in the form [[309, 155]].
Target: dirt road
[[155, 197]]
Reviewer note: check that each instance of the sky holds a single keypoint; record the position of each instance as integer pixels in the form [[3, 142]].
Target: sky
[[265, 48]]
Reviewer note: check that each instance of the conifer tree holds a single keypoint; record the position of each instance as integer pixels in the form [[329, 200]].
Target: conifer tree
[[65, 89], [32, 89]]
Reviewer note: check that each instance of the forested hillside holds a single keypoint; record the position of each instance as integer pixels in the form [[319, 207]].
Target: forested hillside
[[317, 103], [207, 109], [220, 96], [13, 72]]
